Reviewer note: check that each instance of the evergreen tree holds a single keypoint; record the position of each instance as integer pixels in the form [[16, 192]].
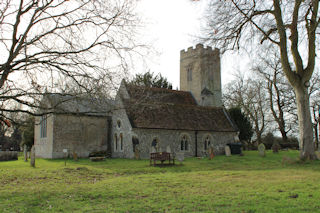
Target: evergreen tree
[[148, 79], [242, 122]]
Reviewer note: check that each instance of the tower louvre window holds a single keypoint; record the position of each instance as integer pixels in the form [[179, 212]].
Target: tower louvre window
[[189, 73]]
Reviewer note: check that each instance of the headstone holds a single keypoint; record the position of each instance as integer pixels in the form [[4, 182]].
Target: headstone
[[168, 149], [25, 153], [33, 157], [75, 156], [180, 156], [137, 152], [227, 150], [262, 150], [275, 147], [318, 155], [211, 153], [153, 149]]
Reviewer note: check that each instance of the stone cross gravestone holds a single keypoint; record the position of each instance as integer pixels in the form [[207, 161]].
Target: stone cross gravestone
[[25, 153], [227, 150], [33, 157], [262, 150], [180, 156]]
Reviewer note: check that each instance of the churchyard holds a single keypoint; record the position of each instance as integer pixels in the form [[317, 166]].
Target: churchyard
[[249, 183]]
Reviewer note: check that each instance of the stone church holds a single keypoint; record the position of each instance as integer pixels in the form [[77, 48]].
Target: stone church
[[141, 119]]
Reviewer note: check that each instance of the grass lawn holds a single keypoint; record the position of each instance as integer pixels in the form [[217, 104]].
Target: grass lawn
[[225, 184]]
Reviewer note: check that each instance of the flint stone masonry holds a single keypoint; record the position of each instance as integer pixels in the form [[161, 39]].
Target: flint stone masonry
[[172, 139]]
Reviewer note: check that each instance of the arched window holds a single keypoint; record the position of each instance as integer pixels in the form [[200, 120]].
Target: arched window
[[155, 144], [207, 142], [115, 142], [118, 124], [121, 142], [184, 143], [43, 126]]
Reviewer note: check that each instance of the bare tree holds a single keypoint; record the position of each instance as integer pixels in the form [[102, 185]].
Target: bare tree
[[50, 44], [250, 95], [289, 25], [281, 96]]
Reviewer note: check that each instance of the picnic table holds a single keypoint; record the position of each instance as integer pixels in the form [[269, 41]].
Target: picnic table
[[161, 156]]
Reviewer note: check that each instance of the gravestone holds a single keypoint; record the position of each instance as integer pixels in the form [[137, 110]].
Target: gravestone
[[137, 152], [168, 149], [275, 147], [317, 155], [33, 157], [211, 153], [25, 153], [180, 157], [153, 149], [75, 156], [227, 150], [262, 150]]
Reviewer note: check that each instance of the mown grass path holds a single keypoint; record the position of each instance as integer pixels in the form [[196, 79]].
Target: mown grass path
[[225, 184]]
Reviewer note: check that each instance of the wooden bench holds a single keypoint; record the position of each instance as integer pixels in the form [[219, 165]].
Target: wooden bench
[[97, 158], [161, 156]]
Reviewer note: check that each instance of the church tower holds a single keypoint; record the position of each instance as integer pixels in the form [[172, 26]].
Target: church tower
[[200, 74]]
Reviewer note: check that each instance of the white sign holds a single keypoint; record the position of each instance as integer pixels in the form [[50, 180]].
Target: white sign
[[65, 150]]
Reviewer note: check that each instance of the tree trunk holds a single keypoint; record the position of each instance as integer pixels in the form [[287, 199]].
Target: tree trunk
[[307, 149]]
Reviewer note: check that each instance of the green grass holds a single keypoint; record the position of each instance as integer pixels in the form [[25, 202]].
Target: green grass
[[225, 184]]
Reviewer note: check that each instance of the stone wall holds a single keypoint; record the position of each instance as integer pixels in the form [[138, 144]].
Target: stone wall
[[44, 146], [124, 130], [79, 134], [206, 72], [172, 138]]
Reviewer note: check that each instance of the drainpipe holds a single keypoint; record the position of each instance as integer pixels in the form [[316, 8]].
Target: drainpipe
[[196, 143]]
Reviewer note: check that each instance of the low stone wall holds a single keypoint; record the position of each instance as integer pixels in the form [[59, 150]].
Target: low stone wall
[[8, 155]]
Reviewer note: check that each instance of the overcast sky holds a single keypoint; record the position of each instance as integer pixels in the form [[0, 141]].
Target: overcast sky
[[172, 25]]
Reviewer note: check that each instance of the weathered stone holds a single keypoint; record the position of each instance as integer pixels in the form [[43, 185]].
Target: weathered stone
[[168, 149], [137, 153], [75, 156], [72, 133], [318, 155], [199, 70], [33, 157], [227, 150], [275, 147], [262, 150], [180, 157], [25, 152], [153, 149], [211, 153]]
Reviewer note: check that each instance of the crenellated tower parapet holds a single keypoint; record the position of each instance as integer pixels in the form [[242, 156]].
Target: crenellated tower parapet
[[200, 73]]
